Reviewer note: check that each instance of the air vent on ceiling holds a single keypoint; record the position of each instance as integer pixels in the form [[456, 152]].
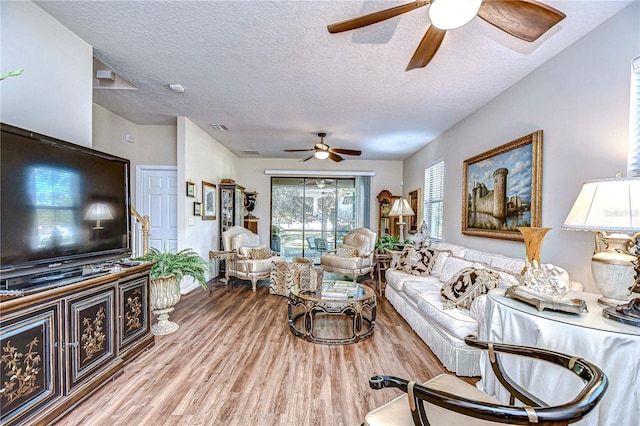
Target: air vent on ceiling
[[220, 127], [249, 152]]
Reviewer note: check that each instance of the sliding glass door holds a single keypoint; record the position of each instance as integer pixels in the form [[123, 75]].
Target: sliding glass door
[[311, 215]]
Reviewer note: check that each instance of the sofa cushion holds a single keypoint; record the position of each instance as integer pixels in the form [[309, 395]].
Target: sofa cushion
[[455, 322], [452, 266], [509, 264], [245, 251], [426, 284], [469, 283], [260, 253], [345, 250], [397, 278], [456, 250]]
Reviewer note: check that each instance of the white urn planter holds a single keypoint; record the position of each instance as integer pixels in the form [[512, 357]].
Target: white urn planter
[[164, 295]]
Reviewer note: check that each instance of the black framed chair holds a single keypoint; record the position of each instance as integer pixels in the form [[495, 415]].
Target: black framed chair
[[448, 400]]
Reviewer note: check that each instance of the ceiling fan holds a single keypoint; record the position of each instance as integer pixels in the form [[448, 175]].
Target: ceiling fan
[[323, 151], [524, 19]]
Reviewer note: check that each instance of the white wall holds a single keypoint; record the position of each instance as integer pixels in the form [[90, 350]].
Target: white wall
[[53, 96], [388, 176], [580, 99], [200, 157], [152, 145]]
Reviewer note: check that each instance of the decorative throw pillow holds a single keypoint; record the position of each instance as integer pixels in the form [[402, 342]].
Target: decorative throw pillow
[[468, 284], [417, 262], [260, 253], [345, 250]]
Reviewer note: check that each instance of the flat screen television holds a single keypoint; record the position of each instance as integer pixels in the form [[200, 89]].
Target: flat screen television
[[62, 206]]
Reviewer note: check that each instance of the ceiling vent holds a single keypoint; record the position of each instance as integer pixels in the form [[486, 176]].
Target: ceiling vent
[[220, 127], [249, 152]]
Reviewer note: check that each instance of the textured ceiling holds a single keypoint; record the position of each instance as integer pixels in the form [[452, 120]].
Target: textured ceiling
[[271, 72]]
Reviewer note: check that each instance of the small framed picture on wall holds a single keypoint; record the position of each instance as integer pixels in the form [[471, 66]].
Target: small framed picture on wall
[[191, 189], [209, 201], [197, 208]]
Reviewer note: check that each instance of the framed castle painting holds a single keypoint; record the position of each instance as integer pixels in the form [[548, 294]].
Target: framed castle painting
[[502, 189]]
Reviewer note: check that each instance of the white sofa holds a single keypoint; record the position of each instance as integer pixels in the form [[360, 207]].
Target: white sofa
[[419, 302]]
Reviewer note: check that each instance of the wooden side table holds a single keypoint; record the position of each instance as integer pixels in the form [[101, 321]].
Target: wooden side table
[[227, 256], [383, 261]]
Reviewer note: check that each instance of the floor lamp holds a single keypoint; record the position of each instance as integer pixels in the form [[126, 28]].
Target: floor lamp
[[401, 208]]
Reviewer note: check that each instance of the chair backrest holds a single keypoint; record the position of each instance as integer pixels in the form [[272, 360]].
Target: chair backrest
[[321, 244], [533, 411], [311, 243], [237, 236], [362, 238]]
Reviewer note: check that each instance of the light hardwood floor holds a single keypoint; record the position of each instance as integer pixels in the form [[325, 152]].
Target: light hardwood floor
[[234, 362]]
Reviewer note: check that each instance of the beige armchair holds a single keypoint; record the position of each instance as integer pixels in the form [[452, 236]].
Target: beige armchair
[[355, 255], [251, 261]]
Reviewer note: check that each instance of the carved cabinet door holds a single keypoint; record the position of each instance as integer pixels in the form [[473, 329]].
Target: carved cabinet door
[[30, 361], [133, 324], [91, 333]]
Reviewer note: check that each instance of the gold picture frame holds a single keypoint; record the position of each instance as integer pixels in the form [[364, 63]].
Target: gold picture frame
[[415, 203], [209, 201], [197, 208], [502, 189], [191, 189]]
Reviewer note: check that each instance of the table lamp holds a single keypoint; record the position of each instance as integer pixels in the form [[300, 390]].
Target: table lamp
[[401, 208], [98, 211], [611, 208]]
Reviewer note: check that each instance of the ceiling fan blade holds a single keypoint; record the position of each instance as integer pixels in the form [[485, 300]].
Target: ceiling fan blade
[[525, 19], [335, 157], [373, 18], [308, 158], [345, 151], [298, 150], [427, 48]]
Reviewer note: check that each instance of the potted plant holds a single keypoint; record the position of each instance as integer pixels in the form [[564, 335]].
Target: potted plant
[[389, 242], [166, 274]]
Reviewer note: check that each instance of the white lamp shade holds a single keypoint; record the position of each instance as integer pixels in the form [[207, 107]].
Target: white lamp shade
[[401, 207], [611, 205], [98, 211], [321, 155], [450, 14]]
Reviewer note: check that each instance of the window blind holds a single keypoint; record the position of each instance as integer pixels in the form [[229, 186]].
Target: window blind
[[633, 158], [434, 199]]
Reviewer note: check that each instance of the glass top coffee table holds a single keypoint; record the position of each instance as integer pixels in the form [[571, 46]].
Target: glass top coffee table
[[320, 319]]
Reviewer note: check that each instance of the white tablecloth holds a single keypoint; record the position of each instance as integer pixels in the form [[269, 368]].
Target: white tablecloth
[[612, 346]]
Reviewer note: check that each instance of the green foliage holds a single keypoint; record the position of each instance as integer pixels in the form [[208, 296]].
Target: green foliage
[[389, 242], [10, 74], [185, 262]]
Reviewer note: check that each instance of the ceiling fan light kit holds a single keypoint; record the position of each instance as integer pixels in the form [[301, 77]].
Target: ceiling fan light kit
[[322, 151], [524, 19], [450, 14], [321, 155]]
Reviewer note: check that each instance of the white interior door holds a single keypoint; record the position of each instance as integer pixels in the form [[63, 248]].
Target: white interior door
[[157, 197]]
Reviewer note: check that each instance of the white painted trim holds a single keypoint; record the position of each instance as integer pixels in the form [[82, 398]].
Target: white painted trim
[[318, 173]]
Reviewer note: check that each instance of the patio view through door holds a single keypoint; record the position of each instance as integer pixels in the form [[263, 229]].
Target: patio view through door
[[304, 209]]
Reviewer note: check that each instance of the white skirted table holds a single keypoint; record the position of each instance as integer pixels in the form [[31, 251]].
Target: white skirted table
[[613, 346]]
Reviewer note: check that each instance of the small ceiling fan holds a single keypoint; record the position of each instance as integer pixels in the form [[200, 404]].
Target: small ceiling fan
[[525, 19], [322, 151]]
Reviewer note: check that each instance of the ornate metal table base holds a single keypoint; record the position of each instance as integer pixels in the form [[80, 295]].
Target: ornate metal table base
[[304, 307]]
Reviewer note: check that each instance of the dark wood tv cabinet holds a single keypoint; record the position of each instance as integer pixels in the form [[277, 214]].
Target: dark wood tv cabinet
[[59, 345]]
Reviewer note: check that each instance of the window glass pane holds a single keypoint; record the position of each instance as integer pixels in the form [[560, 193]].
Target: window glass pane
[[434, 199], [310, 215]]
